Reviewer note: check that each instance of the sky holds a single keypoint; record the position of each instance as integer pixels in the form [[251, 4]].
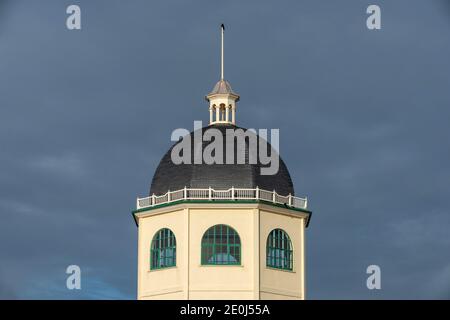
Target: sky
[[86, 115]]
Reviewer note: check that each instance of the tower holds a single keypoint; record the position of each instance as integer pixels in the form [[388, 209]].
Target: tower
[[221, 230]]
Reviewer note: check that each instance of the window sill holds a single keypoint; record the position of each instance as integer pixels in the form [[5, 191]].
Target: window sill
[[280, 269], [220, 265], [161, 269]]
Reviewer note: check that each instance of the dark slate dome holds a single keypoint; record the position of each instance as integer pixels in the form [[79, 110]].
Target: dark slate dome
[[170, 176]]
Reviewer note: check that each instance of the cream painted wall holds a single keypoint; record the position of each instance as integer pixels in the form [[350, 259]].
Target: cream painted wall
[[275, 283], [190, 280], [160, 283], [228, 279]]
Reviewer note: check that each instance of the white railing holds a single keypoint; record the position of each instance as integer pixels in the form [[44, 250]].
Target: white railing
[[228, 194]]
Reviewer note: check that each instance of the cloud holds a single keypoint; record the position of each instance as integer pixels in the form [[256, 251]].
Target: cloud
[[86, 116], [91, 289], [439, 284], [66, 165], [421, 231]]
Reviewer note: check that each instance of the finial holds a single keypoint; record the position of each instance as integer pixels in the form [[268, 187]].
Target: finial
[[222, 100], [222, 27]]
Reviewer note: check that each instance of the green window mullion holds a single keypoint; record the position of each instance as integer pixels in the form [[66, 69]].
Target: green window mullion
[[214, 246], [227, 248], [158, 265], [240, 254]]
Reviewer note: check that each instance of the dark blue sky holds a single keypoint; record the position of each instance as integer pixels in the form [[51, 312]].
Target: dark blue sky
[[85, 117]]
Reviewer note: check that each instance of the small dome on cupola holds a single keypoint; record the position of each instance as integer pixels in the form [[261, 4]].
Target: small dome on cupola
[[222, 87]]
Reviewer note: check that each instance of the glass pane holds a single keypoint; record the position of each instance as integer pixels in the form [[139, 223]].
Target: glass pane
[[163, 249], [220, 245], [279, 250]]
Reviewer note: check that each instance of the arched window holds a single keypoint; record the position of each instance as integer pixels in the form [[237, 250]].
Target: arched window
[[221, 245], [279, 250], [163, 251]]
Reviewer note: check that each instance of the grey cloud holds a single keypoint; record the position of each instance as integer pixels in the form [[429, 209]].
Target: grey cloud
[[363, 117]]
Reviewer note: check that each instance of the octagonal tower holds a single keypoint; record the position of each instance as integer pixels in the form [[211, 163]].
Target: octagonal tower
[[221, 231]]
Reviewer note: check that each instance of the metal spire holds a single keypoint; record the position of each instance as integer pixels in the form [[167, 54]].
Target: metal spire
[[222, 27]]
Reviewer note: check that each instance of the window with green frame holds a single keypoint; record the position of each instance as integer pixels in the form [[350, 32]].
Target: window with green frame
[[279, 250], [163, 250], [221, 245]]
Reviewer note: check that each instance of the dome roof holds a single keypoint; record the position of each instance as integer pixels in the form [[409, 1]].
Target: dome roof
[[169, 176]]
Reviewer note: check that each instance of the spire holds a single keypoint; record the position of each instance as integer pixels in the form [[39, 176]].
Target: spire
[[222, 99], [222, 27]]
